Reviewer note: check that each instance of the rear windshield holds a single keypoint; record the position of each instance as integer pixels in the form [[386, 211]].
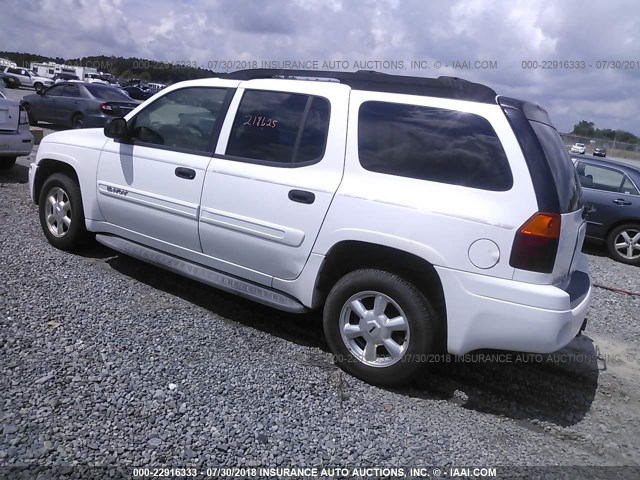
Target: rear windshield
[[104, 92], [564, 175]]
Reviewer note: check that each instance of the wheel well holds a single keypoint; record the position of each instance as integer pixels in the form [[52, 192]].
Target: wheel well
[[48, 167], [627, 221], [352, 255]]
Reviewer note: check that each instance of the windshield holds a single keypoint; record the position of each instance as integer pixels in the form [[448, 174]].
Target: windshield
[[103, 92]]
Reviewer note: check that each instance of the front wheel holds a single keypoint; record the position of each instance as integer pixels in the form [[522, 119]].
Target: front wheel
[[623, 244], [38, 87], [379, 326], [61, 213]]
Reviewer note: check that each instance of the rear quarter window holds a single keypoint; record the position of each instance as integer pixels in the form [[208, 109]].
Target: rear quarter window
[[432, 144]]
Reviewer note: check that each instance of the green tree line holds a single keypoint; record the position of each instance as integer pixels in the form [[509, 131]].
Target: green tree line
[[120, 67], [588, 129]]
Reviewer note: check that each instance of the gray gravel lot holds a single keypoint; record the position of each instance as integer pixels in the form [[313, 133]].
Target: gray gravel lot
[[109, 361]]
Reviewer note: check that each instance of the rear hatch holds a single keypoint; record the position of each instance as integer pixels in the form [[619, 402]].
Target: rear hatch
[[9, 115], [555, 182]]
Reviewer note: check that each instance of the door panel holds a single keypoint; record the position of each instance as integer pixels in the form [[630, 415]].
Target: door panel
[[152, 186], [265, 216], [605, 189], [138, 189]]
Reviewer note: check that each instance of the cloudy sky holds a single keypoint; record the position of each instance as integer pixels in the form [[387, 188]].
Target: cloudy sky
[[508, 37]]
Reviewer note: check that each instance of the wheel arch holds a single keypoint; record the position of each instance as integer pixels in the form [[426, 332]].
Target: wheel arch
[[349, 255], [46, 168], [619, 223]]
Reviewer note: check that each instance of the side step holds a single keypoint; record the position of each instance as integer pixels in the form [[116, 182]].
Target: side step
[[208, 276]]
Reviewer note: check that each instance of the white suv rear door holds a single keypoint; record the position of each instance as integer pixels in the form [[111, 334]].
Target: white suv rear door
[[278, 164]]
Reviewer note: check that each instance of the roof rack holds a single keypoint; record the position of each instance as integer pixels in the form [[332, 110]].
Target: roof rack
[[445, 87]]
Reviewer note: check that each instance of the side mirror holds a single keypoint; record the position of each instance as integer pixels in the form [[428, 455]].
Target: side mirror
[[116, 128]]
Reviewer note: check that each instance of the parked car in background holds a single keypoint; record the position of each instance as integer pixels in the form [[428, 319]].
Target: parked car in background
[[95, 78], [9, 80], [28, 78], [611, 194], [77, 105], [341, 195], [15, 138], [578, 148], [65, 77], [599, 152], [138, 93]]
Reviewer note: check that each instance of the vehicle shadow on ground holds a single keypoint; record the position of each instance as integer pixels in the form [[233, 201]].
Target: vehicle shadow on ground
[[595, 248], [305, 329], [557, 388], [16, 174]]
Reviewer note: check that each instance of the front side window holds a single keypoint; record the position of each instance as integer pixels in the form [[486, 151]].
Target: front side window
[[184, 119], [433, 144], [277, 127]]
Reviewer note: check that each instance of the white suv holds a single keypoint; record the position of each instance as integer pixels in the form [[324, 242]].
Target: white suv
[[28, 78], [578, 148], [422, 215]]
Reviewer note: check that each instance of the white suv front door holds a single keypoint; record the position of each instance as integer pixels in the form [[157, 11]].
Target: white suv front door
[[277, 166], [149, 188]]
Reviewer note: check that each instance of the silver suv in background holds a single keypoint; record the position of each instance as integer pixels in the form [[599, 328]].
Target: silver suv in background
[[28, 78]]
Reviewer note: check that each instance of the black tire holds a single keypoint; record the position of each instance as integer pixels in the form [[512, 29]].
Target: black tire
[[77, 121], [632, 232], [7, 162], [38, 87], [70, 237], [33, 121], [419, 340]]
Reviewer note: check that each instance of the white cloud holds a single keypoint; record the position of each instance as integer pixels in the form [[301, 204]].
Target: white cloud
[[506, 31]]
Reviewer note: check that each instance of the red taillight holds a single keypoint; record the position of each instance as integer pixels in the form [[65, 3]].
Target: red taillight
[[106, 108], [536, 243], [24, 117]]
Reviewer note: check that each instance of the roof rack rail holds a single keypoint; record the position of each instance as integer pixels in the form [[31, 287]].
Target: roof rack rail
[[445, 87]]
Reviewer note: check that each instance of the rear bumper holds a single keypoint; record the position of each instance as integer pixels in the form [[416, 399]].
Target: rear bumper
[[16, 144], [495, 313]]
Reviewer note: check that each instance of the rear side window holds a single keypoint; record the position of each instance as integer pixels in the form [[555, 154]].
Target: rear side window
[[433, 144], [280, 128], [605, 179]]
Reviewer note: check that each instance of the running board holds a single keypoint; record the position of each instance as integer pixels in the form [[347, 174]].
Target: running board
[[208, 276]]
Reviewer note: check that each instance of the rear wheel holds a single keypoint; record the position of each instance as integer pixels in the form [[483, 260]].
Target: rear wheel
[[379, 326], [623, 244], [7, 162], [61, 213], [77, 121]]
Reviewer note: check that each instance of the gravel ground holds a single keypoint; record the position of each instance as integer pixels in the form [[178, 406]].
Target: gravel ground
[[107, 361]]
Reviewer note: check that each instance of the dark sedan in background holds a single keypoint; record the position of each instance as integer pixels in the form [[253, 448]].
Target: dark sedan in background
[[77, 105], [611, 194], [138, 93], [599, 152]]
